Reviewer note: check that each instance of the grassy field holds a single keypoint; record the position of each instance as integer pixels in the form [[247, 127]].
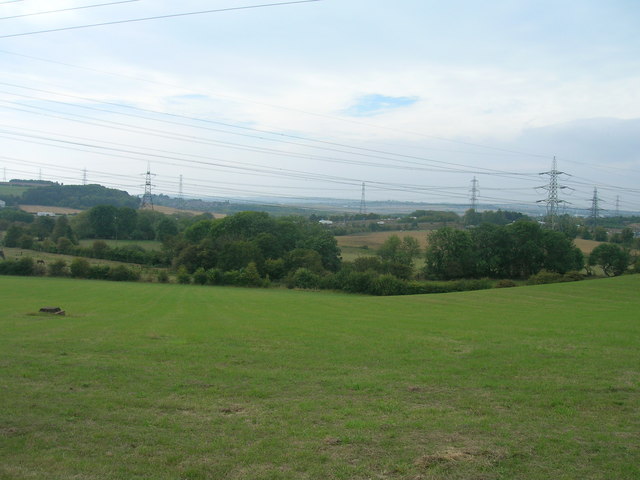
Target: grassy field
[[14, 190], [366, 244], [146, 244], [152, 381], [374, 240]]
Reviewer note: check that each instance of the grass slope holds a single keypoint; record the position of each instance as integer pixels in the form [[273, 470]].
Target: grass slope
[[151, 381]]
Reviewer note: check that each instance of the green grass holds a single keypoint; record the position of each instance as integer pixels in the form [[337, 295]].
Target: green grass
[[14, 190], [151, 381], [146, 244]]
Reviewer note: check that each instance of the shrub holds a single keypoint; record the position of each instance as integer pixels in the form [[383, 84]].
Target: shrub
[[388, 285], [58, 268], [573, 276], [80, 268], [121, 273], [232, 277], [505, 283], [99, 272], [250, 276], [163, 276], [359, 282], [25, 266], [543, 277], [200, 276], [64, 245], [215, 276], [303, 278], [183, 276]]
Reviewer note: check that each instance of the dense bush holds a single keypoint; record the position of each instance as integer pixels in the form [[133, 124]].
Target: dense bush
[[58, 268], [303, 278], [122, 273], [24, 266], [80, 268]]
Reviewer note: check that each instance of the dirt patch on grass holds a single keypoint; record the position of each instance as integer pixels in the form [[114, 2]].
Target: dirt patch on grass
[[454, 455], [232, 410]]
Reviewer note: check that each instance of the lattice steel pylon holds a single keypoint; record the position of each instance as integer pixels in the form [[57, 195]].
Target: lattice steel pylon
[[180, 194], [474, 194], [363, 203], [595, 208], [553, 201], [147, 198]]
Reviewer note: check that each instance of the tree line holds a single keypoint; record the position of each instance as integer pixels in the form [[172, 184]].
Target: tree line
[[256, 249]]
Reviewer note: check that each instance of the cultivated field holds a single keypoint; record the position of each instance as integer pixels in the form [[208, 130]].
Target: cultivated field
[[45, 208], [367, 243], [152, 381]]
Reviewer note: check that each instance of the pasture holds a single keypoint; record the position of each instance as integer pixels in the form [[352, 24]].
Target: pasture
[[15, 190], [144, 381], [152, 245]]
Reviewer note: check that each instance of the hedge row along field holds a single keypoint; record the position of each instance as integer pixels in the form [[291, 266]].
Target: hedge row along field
[[144, 381]]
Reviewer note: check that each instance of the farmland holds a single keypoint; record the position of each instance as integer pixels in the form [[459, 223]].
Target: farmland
[[360, 244], [170, 381]]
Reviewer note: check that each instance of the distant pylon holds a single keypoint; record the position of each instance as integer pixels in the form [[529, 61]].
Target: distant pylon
[[363, 203], [552, 201], [84, 176], [180, 194], [474, 194], [147, 199], [617, 205], [595, 208]]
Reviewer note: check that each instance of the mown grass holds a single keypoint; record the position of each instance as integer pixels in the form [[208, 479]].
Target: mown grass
[[151, 381]]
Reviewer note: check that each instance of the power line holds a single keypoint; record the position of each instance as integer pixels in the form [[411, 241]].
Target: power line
[[280, 107], [68, 9], [158, 17], [323, 144]]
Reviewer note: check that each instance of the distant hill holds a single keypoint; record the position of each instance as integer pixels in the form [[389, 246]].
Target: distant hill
[[78, 196]]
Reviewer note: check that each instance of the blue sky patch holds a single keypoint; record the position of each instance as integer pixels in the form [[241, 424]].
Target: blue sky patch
[[375, 104]]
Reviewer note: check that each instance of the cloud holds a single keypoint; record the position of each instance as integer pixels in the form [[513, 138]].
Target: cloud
[[376, 104]]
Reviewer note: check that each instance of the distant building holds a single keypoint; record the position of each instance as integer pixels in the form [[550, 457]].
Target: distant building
[[3, 204], [46, 214], [326, 222]]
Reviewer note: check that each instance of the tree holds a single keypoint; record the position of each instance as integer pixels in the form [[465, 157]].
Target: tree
[[613, 259], [527, 254], [42, 227], [102, 220], [167, 227], [126, 220], [450, 254], [399, 251], [600, 234], [62, 228], [13, 234], [560, 254], [627, 236]]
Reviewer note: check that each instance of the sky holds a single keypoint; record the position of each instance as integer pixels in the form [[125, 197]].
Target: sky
[[291, 100]]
